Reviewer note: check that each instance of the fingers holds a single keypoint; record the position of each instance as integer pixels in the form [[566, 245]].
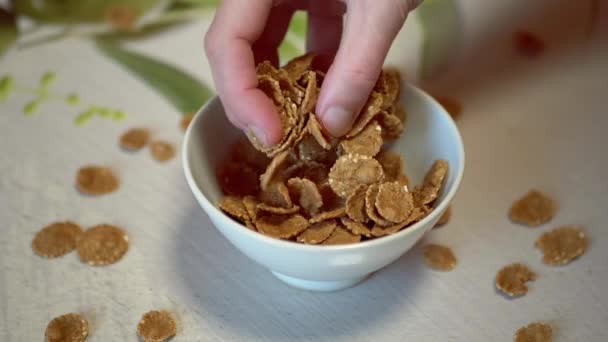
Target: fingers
[[370, 30], [228, 45], [324, 30]]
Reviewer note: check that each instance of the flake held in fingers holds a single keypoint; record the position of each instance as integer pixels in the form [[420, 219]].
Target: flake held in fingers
[[371, 108], [157, 326], [102, 245], [534, 332], [317, 232], [439, 257], [56, 239], [562, 245], [70, 327], [533, 209], [351, 171], [511, 279]]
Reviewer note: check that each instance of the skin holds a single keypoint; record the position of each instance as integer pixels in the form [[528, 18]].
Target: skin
[[246, 32]]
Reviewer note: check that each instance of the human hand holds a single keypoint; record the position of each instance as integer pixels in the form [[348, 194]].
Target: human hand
[[246, 32]]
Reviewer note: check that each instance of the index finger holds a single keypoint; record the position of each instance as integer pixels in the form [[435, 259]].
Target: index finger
[[228, 44]]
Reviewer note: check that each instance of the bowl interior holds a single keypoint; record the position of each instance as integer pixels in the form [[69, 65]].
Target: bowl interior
[[430, 134]]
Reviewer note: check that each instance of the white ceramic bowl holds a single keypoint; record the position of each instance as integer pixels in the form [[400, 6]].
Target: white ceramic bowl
[[430, 134]]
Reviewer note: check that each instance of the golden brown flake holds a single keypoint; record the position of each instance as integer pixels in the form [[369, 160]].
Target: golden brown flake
[[534, 332], [234, 207], [512, 279], [296, 67], [102, 245], [56, 239], [355, 227], [394, 202], [70, 327], [351, 171], [341, 236], [277, 195], [311, 94], [313, 127], [156, 326], [379, 231], [371, 108], [562, 245], [237, 179], [371, 195], [273, 168], [439, 257], [388, 85], [278, 210], [355, 205], [317, 232], [433, 181], [366, 143], [533, 209], [392, 127], [162, 150], [326, 215], [281, 226], [135, 139], [96, 180], [309, 150], [392, 165], [186, 120], [445, 217], [307, 194]]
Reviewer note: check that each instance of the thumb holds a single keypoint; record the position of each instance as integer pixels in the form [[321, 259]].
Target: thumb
[[370, 30]]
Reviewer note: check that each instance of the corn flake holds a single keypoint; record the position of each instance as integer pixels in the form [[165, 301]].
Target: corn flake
[[388, 85], [433, 181], [392, 126], [394, 202], [277, 195], [314, 128], [562, 245], [96, 180], [341, 236], [162, 150], [534, 332], [307, 193], [392, 165], [366, 143], [533, 209], [278, 210], [281, 226], [156, 326], [355, 205], [511, 279], [439, 257], [351, 171], [235, 207], [56, 239], [102, 245], [371, 195], [355, 227], [317, 232], [298, 66], [326, 215], [135, 139], [273, 168], [311, 94], [371, 108], [70, 327]]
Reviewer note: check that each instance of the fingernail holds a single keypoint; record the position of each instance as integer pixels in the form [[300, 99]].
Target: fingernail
[[259, 134], [337, 121]]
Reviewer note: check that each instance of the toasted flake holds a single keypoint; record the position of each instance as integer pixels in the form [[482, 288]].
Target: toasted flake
[[70, 327], [341, 236], [135, 139], [308, 149], [533, 209], [351, 171], [371, 108], [355, 227], [355, 205], [162, 150], [281, 226], [96, 180], [326, 215], [562, 245], [314, 128], [311, 94], [388, 85], [298, 66], [237, 179], [366, 143], [307, 194], [233, 206], [433, 181], [445, 217], [439, 257], [394, 202], [379, 231], [102, 245], [273, 168], [511, 279], [392, 126], [186, 120], [371, 195], [317, 232], [277, 195], [156, 326], [392, 165], [278, 210], [418, 213], [534, 332], [56, 239], [451, 105], [251, 206]]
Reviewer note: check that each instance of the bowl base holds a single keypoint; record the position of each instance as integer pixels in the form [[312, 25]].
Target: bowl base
[[313, 285]]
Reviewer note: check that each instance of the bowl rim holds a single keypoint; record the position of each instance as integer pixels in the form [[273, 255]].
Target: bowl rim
[[211, 208]]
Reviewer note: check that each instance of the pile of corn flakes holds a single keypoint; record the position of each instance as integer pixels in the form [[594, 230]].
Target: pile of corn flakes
[[315, 189]]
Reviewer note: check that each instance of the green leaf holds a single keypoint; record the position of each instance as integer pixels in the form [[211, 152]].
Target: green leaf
[[8, 30], [438, 40], [299, 24], [288, 51], [185, 92]]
